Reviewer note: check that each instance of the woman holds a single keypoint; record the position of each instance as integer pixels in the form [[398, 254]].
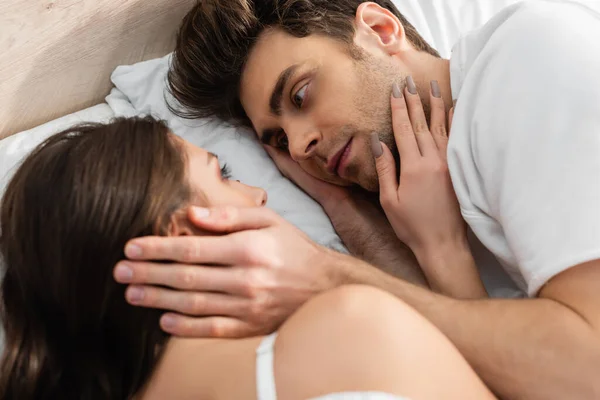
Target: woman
[[66, 216]]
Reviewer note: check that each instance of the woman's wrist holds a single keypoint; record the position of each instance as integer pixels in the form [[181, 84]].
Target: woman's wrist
[[451, 270]]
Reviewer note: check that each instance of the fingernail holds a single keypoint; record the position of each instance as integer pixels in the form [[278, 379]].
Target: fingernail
[[410, 83], [376, 147], [123, 273], [396, 92], [435, 89], [200, 212], [167, 322], [133, 250], [135, 294]]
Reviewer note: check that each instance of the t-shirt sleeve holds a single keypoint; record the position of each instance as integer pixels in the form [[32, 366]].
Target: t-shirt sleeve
[[536, 136]]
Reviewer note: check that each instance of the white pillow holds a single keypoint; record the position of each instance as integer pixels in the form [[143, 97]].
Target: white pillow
[[144, 85], [14, 148]]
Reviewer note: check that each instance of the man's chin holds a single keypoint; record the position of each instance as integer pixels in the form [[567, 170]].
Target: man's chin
[[370, 185]]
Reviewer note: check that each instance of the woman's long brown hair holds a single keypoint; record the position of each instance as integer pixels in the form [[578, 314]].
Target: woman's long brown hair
[[65, 217]]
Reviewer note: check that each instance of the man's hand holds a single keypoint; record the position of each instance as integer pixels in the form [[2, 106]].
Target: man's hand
[[325, 193], [243, 283]]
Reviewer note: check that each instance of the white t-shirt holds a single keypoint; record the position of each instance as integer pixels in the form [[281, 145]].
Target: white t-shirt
[[524, 150]]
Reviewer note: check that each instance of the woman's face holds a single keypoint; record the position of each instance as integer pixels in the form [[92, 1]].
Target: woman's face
[[212, 185]]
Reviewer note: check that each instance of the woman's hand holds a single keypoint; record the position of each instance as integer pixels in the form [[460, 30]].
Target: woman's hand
[[421, 205]]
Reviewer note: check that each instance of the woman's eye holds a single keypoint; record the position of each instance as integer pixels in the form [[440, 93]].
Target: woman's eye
[[298, 98], [282, 141], [225, 172]]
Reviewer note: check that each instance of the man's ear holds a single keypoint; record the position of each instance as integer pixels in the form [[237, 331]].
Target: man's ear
[[379, 30]]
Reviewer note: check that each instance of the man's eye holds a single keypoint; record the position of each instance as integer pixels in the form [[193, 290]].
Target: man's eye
[[282, 141], [298, 98]]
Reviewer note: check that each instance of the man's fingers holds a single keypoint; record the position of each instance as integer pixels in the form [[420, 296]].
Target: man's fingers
[[206, 327], [208, 250], [190, 303], [291, 169], [316, 188], [437, 121], [450, 118], [181, 276], [232, 219], [418, 119], [284, 162], [386, 168], [403, 130]]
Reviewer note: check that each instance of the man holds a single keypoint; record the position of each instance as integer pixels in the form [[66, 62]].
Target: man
[[313, 78]]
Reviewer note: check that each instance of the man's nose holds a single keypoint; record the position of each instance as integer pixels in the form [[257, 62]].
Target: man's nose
[[302, 145]]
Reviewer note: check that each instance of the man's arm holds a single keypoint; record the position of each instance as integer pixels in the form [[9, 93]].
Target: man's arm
[[544, 348], [369, 236], [361, 225]]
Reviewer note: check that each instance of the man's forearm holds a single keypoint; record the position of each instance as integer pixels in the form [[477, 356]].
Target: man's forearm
[[522, 349], [367, 234]]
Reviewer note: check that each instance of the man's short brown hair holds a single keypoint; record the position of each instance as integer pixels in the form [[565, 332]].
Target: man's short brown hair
[[216, 37]]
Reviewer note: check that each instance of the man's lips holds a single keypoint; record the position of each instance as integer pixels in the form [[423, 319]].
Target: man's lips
[[334, 162]]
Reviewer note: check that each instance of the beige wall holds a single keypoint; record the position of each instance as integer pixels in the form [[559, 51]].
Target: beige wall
[[56, 56]]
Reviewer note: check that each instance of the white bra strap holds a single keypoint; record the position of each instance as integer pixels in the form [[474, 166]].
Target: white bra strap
[[265, 377]]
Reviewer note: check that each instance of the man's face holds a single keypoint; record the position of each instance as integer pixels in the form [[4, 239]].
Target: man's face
[[310, 96]]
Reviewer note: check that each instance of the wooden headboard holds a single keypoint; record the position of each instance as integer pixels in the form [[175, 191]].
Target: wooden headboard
[[56, 56]]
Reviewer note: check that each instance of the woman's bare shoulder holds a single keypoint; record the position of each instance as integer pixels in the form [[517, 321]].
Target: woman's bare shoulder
[[204, 368]]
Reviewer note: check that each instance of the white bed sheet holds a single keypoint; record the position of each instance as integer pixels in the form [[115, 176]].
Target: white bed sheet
[[443, 22], [140, 91]]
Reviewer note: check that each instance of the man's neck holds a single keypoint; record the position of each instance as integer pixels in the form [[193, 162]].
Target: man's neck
[[433, 68]]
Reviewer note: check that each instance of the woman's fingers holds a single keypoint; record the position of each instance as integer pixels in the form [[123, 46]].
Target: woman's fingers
[[406, 142], [386, 169], [427, 146], [437, 124]]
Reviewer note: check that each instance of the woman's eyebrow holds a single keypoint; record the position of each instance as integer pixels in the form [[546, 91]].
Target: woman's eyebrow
[[211, 156]]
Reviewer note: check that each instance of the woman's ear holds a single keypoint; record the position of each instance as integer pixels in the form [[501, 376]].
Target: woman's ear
[[379, 30], [180, 225]]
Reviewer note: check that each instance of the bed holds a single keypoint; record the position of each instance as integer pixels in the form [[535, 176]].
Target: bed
[[67, 61]]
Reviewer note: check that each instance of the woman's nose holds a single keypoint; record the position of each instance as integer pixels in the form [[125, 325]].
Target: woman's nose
[[257, 195], [260, 197]]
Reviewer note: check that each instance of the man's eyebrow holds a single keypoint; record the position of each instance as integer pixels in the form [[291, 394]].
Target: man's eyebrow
[[277, 95]]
